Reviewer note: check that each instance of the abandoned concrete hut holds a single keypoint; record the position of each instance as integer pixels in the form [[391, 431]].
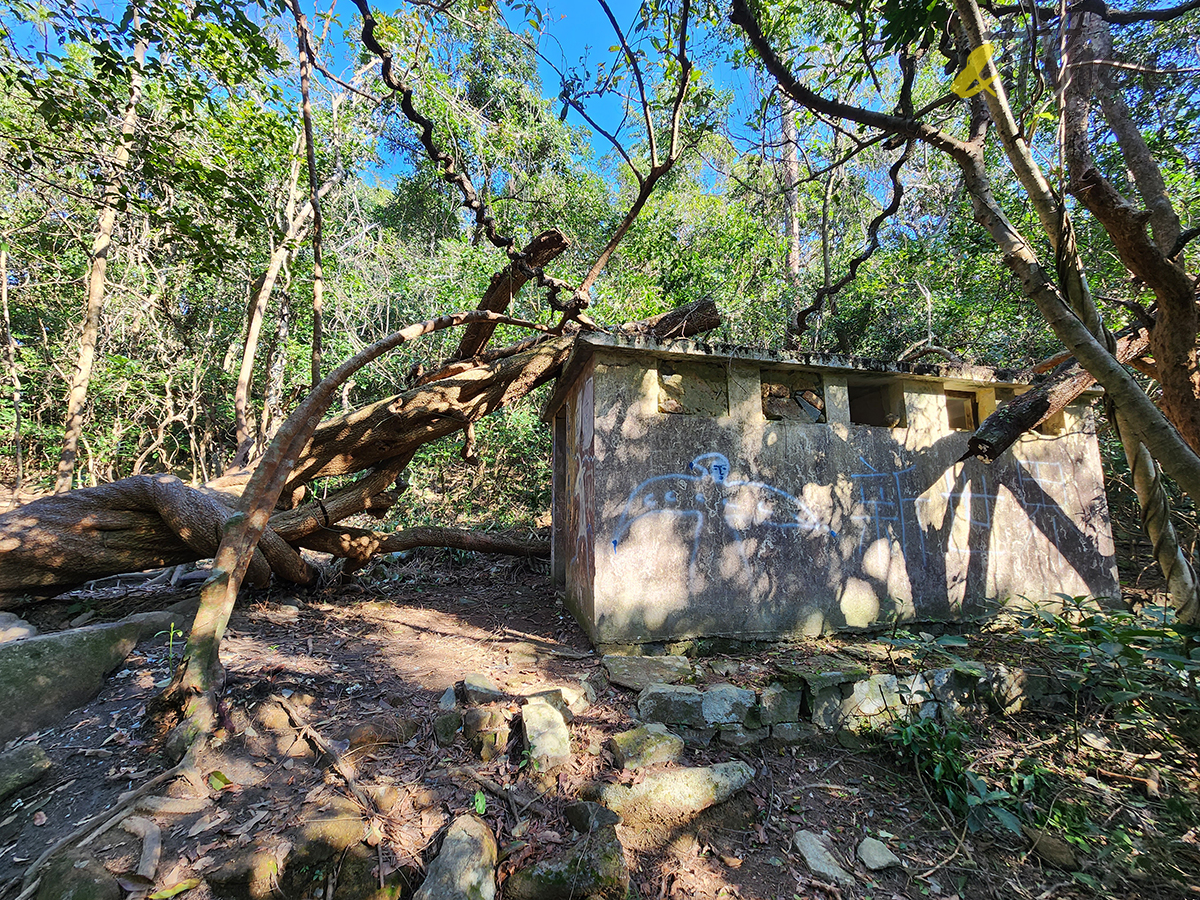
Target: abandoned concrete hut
[[703, 491]]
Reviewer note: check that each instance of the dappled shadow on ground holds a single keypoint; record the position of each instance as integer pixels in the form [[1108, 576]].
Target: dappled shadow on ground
[[380, 652]]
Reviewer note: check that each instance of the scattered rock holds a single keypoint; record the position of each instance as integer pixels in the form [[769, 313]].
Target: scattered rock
[[741, 736], [326, 830], [446, 726], [819, 860], [793, 732], [648, 745], [78, 877], [21, 767], [44, 677], [1050, 849], [555, 698], [674, 794], [594, 867], [253, 871], [384, 730], [465, 868], [724, 704], [639, 672], [586, 816], [875, 855], [448, 701], [546, 735], [695, 737], [779, 704], [14, 628], [476, 690], [672, 705], [485, 729]]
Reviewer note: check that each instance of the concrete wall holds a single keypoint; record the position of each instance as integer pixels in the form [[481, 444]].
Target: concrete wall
[[690, 513]]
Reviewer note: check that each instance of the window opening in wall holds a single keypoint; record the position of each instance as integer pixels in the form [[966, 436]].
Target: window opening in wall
[[1053, 426], [880, 405], [692, 388], [962, 409], [792, 396]]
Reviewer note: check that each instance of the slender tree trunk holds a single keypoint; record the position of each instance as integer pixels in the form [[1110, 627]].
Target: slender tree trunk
[[261, 296], [77, 398], [10, 356], [318, 308]]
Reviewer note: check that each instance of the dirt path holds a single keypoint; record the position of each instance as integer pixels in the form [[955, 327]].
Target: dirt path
[[365, 665]]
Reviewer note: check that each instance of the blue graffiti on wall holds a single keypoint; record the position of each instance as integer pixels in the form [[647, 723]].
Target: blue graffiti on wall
[[704, 491]]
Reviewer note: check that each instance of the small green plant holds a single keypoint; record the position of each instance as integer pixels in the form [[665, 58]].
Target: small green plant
[[935, 749], [173, 634]]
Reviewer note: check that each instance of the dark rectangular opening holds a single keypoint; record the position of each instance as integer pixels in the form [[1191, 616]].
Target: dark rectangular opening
[[880, 405], [962, 410]]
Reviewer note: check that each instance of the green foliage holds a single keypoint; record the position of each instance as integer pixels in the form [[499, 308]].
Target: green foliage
[[936, 751], [1142, 667]]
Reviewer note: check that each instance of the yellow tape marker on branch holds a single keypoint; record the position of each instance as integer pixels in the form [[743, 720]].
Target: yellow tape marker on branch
[[970, 81]]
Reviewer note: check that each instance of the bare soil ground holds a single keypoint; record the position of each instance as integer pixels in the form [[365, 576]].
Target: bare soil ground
[[382, 650]]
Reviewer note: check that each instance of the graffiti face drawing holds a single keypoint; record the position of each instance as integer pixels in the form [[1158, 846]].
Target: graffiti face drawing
[[704, 492]]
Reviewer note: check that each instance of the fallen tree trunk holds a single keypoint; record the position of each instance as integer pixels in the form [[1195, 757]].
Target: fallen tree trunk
[[146, 522], [1005, 426]]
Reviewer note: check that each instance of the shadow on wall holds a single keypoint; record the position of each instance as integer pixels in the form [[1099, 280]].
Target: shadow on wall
[[876, 532]]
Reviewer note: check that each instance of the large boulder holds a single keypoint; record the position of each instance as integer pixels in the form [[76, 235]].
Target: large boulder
[[44, 677]]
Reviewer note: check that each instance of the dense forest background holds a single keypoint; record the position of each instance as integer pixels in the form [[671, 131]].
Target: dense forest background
[[168, 139]]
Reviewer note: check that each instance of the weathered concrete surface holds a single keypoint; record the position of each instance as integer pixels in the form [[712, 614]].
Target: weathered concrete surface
[[687, 513], [44, 677]]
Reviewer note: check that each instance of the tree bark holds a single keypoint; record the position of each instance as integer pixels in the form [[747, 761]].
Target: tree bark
[[1004, 427], [10, 357], [77, 397]]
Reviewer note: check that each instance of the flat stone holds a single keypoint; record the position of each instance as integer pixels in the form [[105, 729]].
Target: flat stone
[[741, 736], [478, 689], [587, 816], [672, 705], [819, 860], [827, 711], [14, 628], [673, 794], [383, 730], [791, 733], [448, 700], [44, 677], [779, 704], [648, 745], [546, 735], [465, 867], [21, 767], [594, 867], [1051, 849], [876, 856], [639, 672], [724, 704], [820, 673]]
